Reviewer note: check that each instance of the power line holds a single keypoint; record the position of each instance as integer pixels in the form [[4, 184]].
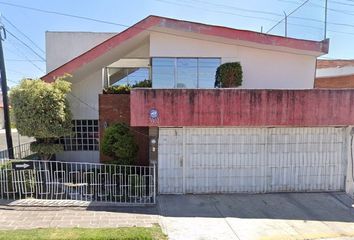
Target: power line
[[237, 8], [22, 60], [103, 21], [269, 13], [96, 20], [16, 71], [346, 12], [342, 3], [25, 44], [293, 24], [124, 25], [288, 15], [24, 55], [96, 110], [118, 24], [253, 17], [62, 14], [215, 11], [83, 102], [13, 81], [22, 33]]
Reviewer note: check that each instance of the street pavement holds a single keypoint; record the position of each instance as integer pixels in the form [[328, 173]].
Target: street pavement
[[16, 139]]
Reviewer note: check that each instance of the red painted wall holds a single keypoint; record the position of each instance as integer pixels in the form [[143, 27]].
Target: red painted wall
[[115, 108], [236, 107]]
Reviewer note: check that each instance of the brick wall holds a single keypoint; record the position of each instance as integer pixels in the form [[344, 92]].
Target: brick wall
[[335, 82], [115, 108]]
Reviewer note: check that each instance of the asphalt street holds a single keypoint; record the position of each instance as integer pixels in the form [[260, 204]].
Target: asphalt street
[[16, 139]]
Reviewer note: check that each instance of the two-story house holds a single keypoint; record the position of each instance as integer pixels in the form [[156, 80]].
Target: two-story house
[[274, 133]]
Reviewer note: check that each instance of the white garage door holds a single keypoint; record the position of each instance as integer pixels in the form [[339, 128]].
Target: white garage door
[[226, 160]]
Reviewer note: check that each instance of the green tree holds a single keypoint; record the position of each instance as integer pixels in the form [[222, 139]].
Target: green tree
[[229, 75], [42, 111], [119, 143]]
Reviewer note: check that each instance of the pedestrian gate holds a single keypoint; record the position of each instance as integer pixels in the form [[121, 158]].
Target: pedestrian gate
[[20, 179]]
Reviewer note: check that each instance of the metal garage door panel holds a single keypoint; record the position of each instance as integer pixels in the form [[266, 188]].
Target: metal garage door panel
[[170, 161], [225, 160], [306, 159]]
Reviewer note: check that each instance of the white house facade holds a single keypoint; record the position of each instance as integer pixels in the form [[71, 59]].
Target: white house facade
[[269, 135]]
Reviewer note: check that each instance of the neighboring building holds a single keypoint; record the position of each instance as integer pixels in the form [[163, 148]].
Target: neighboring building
[[337, 73], [274, 133]]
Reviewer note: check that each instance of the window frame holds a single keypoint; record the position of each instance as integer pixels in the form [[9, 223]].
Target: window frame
[[81, 140], [175, 75]]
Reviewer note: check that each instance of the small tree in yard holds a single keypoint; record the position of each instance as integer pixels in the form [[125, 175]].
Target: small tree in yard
[[41, 110], [118, 143]]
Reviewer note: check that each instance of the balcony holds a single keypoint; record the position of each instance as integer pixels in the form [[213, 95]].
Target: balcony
[[237, 107]]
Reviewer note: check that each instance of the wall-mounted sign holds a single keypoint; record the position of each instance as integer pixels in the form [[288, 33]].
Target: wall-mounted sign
[[23, 165], [153, 114]]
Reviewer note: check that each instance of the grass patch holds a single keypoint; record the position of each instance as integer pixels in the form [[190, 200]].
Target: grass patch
[[126, 233]]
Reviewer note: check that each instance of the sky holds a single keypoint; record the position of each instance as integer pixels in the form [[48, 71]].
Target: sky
[[24, 47]]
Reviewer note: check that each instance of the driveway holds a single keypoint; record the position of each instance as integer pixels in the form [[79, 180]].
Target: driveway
[[258, 216]]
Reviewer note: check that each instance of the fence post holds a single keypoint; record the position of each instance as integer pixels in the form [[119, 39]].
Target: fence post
[[155, 184]]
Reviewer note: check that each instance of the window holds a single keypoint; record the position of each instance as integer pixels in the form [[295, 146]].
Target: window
[[184, 72], [125, 76], [84, 138], [206, 72], [187, 73], [163, 72]]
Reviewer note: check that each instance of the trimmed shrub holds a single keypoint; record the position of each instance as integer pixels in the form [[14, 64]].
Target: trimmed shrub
[[118, 142], [125, 89], [41, 110], [143, 84], [121, 89], [228, 75], [43, 148]]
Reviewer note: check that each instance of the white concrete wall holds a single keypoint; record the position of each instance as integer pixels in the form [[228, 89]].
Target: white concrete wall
[[64, 46], [349, 184], [334, 72], [84, 105], [84, 96], [265, 69], [60, 48], [79, 156]]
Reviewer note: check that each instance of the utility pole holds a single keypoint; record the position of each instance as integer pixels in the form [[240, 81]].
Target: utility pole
[[286, 24], [4, 95], [325, 20]]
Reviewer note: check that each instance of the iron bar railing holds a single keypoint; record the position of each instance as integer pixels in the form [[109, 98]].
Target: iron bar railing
[[21, 179]]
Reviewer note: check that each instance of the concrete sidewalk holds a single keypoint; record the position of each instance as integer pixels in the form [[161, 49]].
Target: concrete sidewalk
[[233, 216], [85, 217], [258, 216]]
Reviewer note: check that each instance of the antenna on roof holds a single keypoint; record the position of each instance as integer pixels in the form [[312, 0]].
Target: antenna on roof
[[325, 20]]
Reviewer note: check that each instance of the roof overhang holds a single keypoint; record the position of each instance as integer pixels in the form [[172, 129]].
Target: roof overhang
[[107, 51]]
